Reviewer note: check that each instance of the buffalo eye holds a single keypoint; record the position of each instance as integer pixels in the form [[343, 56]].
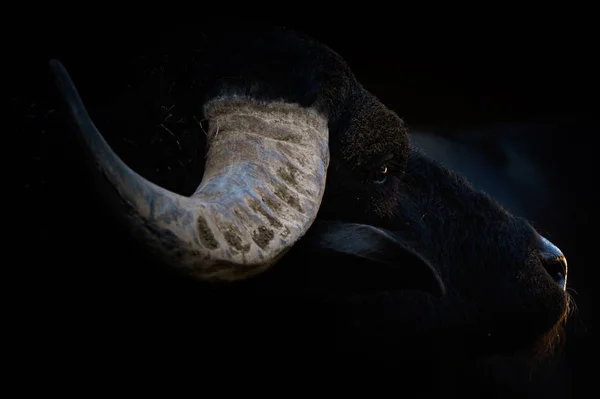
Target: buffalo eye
[[379, 175]]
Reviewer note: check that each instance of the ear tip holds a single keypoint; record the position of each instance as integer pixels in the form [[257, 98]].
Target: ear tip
[[439, 290]]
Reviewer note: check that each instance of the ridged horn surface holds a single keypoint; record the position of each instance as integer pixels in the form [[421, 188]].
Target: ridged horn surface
[[262, 187]]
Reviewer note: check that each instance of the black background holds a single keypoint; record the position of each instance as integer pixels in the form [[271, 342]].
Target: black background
[[455, 78]]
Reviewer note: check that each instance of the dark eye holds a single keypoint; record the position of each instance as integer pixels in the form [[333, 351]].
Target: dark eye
[[379, 175]]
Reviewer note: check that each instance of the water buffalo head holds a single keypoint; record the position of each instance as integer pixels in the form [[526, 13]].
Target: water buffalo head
[[394, 245]]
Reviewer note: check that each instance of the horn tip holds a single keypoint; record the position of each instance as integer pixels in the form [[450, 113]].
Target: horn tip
[[55, 64]]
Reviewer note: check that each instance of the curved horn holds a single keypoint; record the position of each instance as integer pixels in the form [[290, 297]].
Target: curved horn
[[262, 187]]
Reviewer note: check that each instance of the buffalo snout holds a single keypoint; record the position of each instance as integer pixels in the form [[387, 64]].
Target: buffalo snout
[[554, 261]]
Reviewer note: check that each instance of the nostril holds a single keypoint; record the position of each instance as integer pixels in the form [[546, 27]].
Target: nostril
[[554, 261], [556, 267]]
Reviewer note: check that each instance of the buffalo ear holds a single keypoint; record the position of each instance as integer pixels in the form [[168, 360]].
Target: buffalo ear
[[362, 258]]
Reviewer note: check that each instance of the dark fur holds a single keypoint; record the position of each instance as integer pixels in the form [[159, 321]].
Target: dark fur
[[482, 253], [499, 298]]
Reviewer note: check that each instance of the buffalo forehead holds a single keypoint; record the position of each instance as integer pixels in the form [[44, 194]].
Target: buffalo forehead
[[374, 130]]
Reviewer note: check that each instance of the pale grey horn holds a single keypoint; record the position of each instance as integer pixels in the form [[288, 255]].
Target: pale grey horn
[[262, 186]]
